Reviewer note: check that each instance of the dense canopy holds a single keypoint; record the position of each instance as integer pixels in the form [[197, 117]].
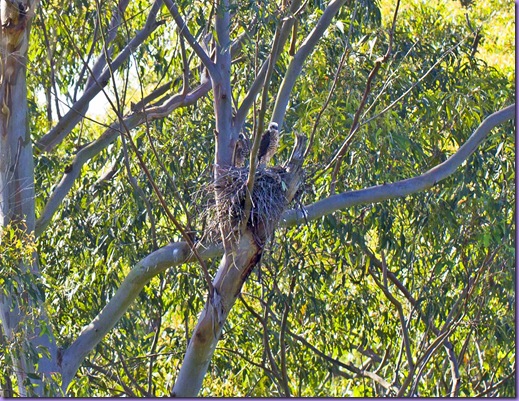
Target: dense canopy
[[402, 295]]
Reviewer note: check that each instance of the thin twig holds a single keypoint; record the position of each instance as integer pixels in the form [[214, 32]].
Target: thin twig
[[282, 334], [185, 64], [266, 347], [78, 109], [496, 385], [398, 306], [170, 215]]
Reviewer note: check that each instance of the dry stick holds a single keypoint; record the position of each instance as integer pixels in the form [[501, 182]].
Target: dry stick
[[259, 130], [177, 225], [154, 343], [422, 362], [328, 99], [263, 322], [152, 219], [355, 124], [81, 75], [392, 104]]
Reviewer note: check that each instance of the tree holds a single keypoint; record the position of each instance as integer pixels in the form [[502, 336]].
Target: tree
[[375, 115]]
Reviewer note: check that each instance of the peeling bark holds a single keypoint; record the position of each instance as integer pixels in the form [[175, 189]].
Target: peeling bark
[[17, 198]]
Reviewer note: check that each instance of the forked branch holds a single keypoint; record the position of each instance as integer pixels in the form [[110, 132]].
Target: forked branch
[[179, 253]]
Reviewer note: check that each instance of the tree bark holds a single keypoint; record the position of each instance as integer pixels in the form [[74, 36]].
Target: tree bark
[[21, 305], [235, 267]]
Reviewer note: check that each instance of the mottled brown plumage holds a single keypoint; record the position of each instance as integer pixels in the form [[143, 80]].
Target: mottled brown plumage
[[269, 144], [241, 151]]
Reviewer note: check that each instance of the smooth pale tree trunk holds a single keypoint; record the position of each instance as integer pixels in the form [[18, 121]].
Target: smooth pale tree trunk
[[232, 273], [235, 267], [22, 316]]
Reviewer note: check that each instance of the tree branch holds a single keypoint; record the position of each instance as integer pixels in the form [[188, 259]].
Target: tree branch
[[259, 130], [296, 65], [73, 170], [142, 114], [184, 31], [401, 188], [367, 90], [156, 262], [179, 253], [361, 373], [259, 81], [396, 303], [76, 113]]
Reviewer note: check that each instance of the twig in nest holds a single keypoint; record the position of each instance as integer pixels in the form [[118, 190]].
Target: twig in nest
[[268, 201]]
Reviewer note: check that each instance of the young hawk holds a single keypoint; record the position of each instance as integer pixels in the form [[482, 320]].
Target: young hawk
[[269, 144], [241, 151]]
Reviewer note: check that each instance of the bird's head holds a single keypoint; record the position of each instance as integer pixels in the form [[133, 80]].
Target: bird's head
[[273, 126]]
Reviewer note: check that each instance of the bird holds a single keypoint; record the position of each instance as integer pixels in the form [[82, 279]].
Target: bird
[[269, 144], [241, 151]]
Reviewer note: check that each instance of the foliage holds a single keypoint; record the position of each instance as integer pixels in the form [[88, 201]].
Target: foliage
[[321, 304]]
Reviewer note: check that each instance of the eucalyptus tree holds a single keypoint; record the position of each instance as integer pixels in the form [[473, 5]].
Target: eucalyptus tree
[[183, 83]]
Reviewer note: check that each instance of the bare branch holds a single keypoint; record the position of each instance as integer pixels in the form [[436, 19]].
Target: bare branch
[[184, 30], [259, 130], [494, 386], [79, 108], [361, 373], [180, 253], [397, 304], [282, 335], [328, 98], [142, 114], [156, 262], [401, 188], [112, 30], [222, 91], [296, 65], [284, 32], [73, 170]]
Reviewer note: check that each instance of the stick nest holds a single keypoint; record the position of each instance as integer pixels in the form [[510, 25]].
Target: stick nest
[[268, 202]]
